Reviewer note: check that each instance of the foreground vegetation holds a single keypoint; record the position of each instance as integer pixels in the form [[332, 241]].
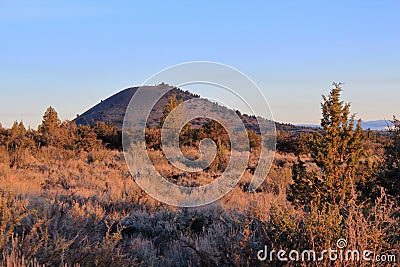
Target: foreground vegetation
[[68, 199]]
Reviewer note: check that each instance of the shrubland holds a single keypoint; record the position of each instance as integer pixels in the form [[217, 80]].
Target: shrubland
[[67, 197]]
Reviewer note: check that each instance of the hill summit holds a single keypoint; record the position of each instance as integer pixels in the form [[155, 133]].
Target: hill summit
[[113, 108]]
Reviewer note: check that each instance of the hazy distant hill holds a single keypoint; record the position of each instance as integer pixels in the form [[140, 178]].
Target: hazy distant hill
[[378, 125], [113, 110]]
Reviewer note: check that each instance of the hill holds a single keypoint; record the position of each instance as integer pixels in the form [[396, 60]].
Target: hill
[[113, 110]]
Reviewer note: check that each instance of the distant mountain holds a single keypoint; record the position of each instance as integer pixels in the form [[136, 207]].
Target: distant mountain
[[378, 125], [113, 110]]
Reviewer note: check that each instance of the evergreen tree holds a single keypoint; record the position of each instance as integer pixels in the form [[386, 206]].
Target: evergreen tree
[[87, 139], [50, 127], [51, 122], [108, 134], [18, 129], [3, 135], [220, 162], [254, 139], [390, 177], [17, 136], [153, 138], [176, 121], [337, 153], [171, 105], [306, 186], [18, 144], [216, 131], [68, 134]]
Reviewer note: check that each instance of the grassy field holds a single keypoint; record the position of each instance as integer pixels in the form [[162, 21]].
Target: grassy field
[[62, 207]]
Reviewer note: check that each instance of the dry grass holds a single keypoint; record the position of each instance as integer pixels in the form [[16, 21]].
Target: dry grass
[[68, 208]]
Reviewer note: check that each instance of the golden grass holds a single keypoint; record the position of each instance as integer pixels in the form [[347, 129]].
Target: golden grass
[[68, 208]]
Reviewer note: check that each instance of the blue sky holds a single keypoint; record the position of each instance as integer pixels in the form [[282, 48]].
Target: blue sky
[[70, 54]]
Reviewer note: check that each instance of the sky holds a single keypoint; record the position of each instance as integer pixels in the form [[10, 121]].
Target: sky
[[71, 54]]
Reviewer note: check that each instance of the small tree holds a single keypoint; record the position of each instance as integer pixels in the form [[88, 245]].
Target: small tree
[[87, 139], [214, 130], [220, 162], [108, 134], [254, 139], [171, 105], [68, 134], [50, 126], [176, 121], [3, 135], [19, 137], [50, 122], [337, 153], [18, 143], [18, 129]]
